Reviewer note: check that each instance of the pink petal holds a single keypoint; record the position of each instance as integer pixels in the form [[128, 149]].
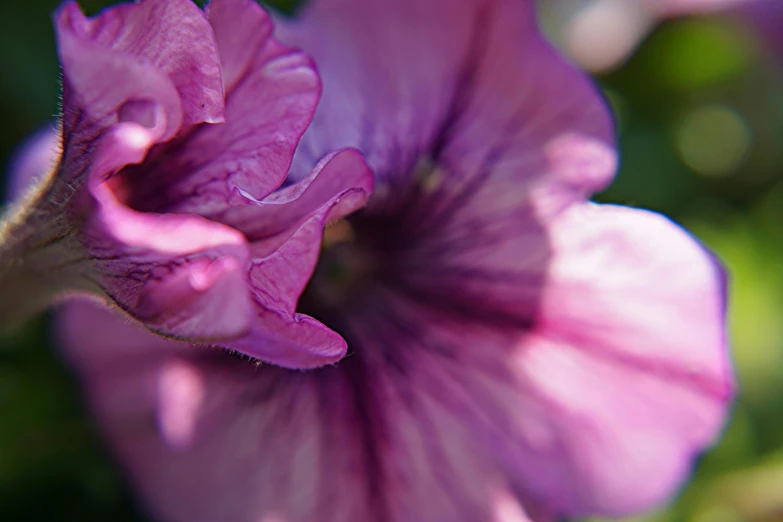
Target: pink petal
[[242, 29], [131, 82], [180, 397], [338, 173], [599, 409], [181, 275], [272, 92], [628, 367], [94, 327], [171, 37], [268, 444], [33, 161], [285, 231], [280, 335], [97, 83], [468, 84]]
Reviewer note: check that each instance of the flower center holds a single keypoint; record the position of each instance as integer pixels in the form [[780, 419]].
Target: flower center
[[426, 247], [397, 245], [349, 267], [370, 251]]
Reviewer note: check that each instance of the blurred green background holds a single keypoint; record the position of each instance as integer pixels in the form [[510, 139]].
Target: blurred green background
[[699, 109]]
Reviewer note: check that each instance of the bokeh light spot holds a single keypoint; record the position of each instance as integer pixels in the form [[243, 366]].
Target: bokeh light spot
[[697, 53], [713, 140]]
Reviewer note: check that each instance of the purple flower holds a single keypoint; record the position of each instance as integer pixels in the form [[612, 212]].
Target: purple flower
[[515, 352], [178, 128]]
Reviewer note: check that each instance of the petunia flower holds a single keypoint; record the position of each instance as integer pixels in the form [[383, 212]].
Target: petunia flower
[[515, 352], [178, 128]]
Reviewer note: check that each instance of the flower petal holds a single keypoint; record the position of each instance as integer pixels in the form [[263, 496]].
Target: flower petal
[[433, 417], [171, 37], [289, 446], [468, 85], [134, 87], [98, 82], [181, 275], [336, 174], [33, 161], [241, 30], [271, 95], [628, 365], [279, 334], [598, 409]]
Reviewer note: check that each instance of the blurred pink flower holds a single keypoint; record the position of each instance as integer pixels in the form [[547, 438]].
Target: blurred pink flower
[[766, 17], [601, 34], [690, 7], [515, 352], [178, 127]]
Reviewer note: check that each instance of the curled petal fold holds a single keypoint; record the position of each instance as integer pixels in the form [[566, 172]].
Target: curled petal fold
[[280, 335], [168, 113], [181, 275], [271, 95], [170, 37], [337, 173]]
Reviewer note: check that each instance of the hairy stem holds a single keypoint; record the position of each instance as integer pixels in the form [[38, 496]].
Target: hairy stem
[[40, 255]]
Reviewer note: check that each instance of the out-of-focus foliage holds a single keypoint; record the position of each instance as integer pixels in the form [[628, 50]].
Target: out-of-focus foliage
[[700, 118]]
